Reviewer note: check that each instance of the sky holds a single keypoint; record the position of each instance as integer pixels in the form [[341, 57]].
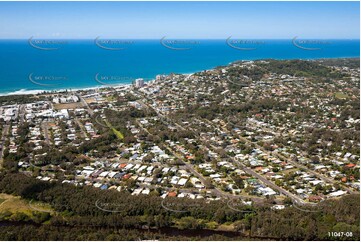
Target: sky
[[183, 20]]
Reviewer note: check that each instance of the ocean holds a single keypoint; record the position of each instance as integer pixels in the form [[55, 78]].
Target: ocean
[[30, 66]]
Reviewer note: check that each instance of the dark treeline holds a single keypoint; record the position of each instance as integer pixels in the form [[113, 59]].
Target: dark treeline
[[16, 99], [301, 68], [240, 110], [349, 62], [298, 68], [28, 232], [81, 201], [79, 207]]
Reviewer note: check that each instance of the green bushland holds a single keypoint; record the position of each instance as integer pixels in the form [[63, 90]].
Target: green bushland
[[75, 207]]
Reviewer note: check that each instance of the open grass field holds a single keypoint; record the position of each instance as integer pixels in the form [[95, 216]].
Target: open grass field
[[60, 106], [116, 132], [289, 171], [15, 204], [340, 95], [90, 100]]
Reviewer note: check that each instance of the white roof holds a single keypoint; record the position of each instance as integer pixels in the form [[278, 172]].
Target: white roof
[[182, 181], [337, 193]]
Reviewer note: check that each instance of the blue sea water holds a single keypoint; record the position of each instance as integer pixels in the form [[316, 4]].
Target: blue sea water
[[76, 64]]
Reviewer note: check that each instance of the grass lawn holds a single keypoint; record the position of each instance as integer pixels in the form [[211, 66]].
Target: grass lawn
[[111, 98], [15, 204], [340, 95], [116, 132], [289, 171]]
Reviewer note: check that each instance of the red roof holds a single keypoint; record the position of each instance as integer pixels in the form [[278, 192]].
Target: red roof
[[314, 198], [350, 165], [172, 194], [126, 176]]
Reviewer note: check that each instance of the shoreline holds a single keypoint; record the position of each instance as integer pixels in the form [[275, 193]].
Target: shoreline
[[25, 92]]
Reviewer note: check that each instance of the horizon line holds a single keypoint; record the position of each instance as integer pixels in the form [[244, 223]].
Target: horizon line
[[53, 38]]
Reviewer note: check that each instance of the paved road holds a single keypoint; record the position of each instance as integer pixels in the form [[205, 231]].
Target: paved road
[[191, 168], [253, 173], [246, 169], [187, 165], [81, 127], [260, 177], [250, 171], [329, 180], [44, 127], [2, 141], [22, 113], [86, 105], [296, 164], [218, 191], [289, 160], [284, 158]]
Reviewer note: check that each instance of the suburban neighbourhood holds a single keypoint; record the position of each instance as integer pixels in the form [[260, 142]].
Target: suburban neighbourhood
[[216, 134]]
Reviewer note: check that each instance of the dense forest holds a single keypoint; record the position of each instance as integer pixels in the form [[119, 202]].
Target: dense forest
[[82, 211]]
